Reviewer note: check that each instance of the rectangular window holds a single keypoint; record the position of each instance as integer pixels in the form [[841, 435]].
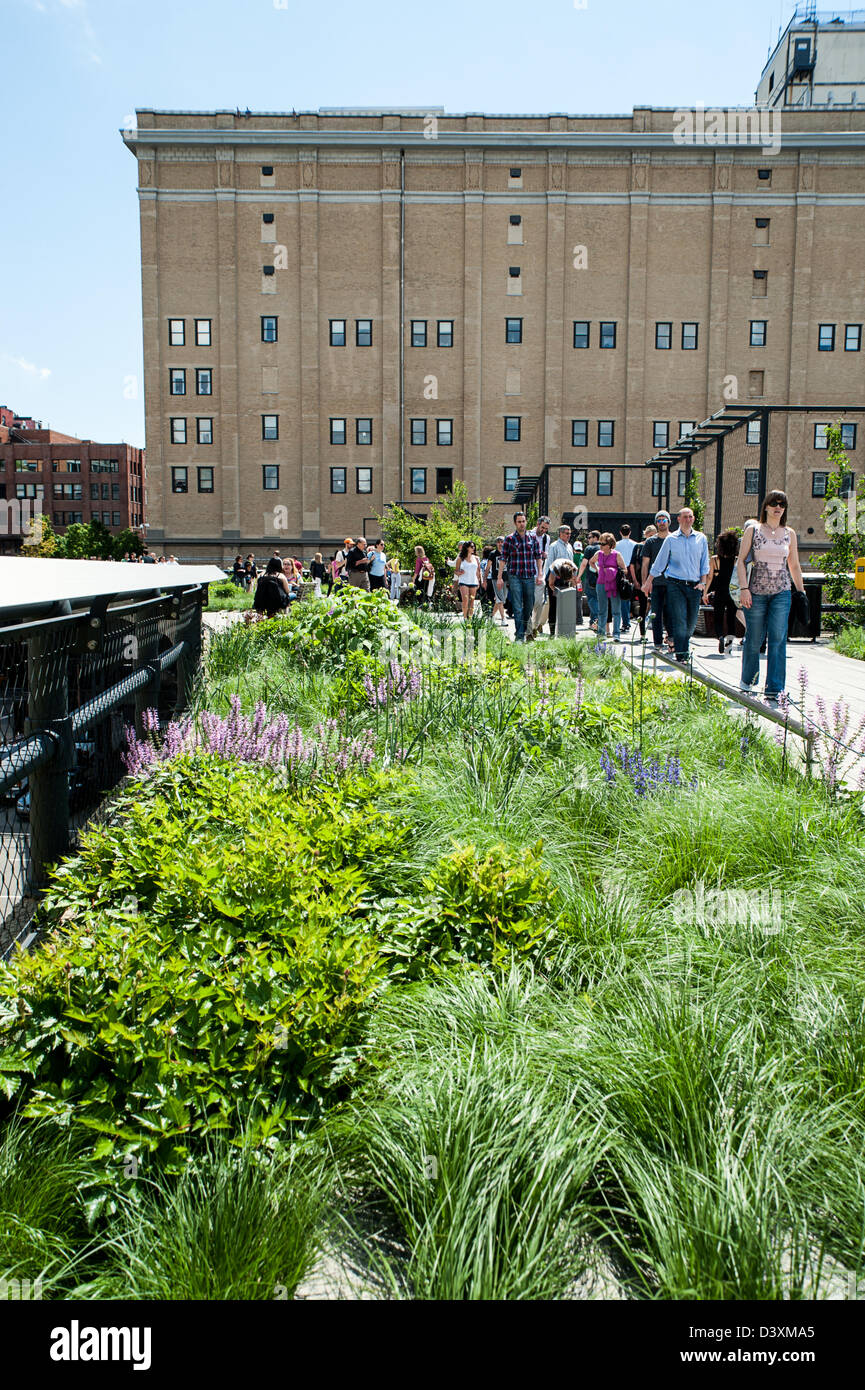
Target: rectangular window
[[513, 330], [204, 381], [178, 431], [115, 518], [180, 480], [444, 432], [579, 434], [363, 430], [204, 427], [177, 381], [418, 332], [581, 333], [444, 480], [608, 335], [656, 482], [820, 440], [686, 427], [29, 490], [107, 465], [512, 429], [760, 288], [514, 272], [818, 484], [761, 231], [690, 333], [848, 436], [606, 434], [852, 337], [418, 431], [27, 465], [844, 489], [753, 432], [512, 478], [445, 330], [752, 481], [826, 337], [764, 175], [363, 332], [176, 332], [106, 491], [578, 482], [115, 491], [269, 328], [758, 332], [755, 383], [337, 332], [418, 480], [270, 477], [94, 492], [363, 479], [663, 336], [661, 434], [337, 430], [267, 218], [270, 426], [337, 480], [205, 480], [605, 482], [66, 466], [106, 518], [202, 333]]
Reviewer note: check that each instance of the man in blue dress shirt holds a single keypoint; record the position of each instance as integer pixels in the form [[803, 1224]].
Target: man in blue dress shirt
[[683, 560]]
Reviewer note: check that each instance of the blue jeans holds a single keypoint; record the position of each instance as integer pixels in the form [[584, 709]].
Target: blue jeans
[[614, 604], [592, 600], [523, 601], [769, 614], [683, 607], [660, 616]]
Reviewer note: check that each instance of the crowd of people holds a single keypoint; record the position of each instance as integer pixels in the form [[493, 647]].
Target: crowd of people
[[660, 581]]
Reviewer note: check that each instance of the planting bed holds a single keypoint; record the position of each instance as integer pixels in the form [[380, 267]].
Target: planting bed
[[402, 971]]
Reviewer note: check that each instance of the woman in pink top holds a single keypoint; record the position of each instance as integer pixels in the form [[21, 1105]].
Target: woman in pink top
[[608, 561], [771, 545]]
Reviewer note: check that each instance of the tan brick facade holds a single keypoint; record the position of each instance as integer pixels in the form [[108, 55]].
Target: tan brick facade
[[670, 236]]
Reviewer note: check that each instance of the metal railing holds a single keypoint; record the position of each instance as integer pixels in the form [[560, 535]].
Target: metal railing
[[69, 688]]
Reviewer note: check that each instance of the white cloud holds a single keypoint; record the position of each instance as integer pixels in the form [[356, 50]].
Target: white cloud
[[26, 366]]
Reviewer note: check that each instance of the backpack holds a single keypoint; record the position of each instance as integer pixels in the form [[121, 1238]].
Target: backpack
[[270, 596]]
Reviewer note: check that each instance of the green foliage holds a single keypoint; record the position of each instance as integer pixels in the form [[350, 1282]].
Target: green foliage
[[83, 539], [232, 1225], [693, 500], [846, 542], [207, 959], [322, 632], [42, 540], [850, 641], [479, 908], [44, 1180], [451, 520], [226, 596]]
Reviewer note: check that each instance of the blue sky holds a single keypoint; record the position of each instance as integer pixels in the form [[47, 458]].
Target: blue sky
[[75, 71]]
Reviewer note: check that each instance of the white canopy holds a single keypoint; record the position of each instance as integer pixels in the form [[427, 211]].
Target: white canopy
[[26, 581]]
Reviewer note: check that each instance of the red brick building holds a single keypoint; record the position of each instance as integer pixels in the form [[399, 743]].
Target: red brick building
[[72, 479]]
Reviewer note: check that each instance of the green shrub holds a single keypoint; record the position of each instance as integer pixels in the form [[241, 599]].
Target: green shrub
[[480, 908], [850, 641], [321, 632], [207, 960], [226, 596]]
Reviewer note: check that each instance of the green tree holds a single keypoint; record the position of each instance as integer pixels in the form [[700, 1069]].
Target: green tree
[[127, 540], [845, 524], [695, 501], [42, 541], [75, 543], [451, 520]]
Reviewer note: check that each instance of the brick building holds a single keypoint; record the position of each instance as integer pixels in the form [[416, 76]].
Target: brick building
[[343, 310], [71, 479]]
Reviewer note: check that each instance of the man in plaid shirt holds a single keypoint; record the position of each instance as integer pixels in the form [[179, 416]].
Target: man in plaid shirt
[[523, 559]]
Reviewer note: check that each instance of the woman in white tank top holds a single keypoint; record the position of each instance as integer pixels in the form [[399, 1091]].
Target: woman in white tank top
[[468, 576]]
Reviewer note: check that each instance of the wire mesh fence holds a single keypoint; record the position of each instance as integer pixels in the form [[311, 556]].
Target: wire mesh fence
[[69, 688]]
